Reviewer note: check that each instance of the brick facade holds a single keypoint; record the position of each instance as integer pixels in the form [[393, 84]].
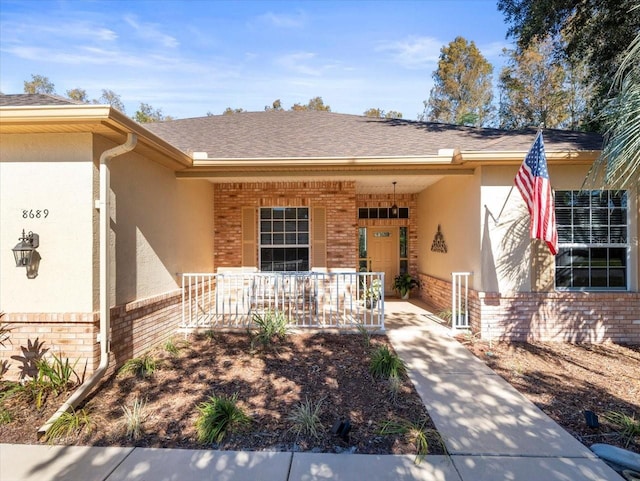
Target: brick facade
[[545, 316], [135, 327], [339, 198], [384, 200]]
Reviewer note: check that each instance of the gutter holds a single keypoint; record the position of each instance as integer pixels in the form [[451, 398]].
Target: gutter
[[103, 206]]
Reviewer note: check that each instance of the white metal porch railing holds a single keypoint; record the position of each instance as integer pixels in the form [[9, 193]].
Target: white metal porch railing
[[310, 299], [460, 300]]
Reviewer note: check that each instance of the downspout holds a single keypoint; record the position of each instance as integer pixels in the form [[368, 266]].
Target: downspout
[[103, 205]]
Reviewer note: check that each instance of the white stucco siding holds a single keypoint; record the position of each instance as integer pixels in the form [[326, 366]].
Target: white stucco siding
[[161, 227], [506, 244], [452, 203], [52, 172]]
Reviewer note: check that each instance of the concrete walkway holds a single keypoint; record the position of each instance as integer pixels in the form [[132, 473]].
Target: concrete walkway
[[491, 431]]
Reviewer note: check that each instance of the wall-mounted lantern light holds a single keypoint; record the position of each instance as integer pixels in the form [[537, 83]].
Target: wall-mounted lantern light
[[25, 253], [394, 207]]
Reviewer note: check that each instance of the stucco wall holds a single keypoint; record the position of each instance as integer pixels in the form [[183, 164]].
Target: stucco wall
[[510, 261], [161, 227], [454, 204], [53, 172]]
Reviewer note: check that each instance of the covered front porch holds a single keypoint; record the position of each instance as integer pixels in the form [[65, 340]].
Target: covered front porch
[[334, 300]]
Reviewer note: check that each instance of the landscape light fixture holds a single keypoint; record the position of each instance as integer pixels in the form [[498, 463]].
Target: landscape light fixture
[[394, 207], [25, 253]]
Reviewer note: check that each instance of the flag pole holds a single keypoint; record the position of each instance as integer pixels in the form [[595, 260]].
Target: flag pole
[[497, 220]]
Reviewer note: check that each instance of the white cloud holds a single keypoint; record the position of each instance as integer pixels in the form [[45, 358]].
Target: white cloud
[[301, 63], [149, 31], [414, 52], [281, 20]]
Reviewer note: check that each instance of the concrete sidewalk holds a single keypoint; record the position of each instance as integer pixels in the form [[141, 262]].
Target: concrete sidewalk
[[491, 432]]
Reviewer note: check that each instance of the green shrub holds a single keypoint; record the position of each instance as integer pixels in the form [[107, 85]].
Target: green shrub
[[394, 384], [68, 424], [306, 418], [417, 432], [5, 416], [385, 364], [365, 333], [271, 327], [219, 416], [57, 373], [171, 347], [144, 366], [628, 426], [134, 417]]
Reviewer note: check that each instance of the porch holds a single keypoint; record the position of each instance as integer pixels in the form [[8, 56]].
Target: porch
[[337, 300]]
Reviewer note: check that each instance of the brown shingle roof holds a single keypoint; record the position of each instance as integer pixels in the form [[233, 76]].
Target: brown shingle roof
[[18, 100], [292, 134]]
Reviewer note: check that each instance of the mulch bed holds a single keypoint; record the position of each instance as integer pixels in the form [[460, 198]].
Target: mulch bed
[[269, 383], [564, 380]]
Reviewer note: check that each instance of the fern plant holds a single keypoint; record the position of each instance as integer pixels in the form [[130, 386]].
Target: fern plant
[[219, 416]]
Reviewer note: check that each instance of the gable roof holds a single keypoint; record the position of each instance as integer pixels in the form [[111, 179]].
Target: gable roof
[[299, 134], [17, 100]]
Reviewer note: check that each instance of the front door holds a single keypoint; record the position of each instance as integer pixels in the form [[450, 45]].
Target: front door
[[383, 253]]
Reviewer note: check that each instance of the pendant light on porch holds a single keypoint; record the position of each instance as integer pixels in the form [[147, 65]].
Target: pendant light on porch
[[394, 207]]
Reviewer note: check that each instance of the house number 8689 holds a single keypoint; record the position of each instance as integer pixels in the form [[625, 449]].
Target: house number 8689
[[35, 213]]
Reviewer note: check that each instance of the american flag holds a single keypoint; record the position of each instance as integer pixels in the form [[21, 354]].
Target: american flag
[[533, 183]]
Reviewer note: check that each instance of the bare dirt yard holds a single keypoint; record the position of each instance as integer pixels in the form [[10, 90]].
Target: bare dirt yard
[[268, 382], [564, 380]]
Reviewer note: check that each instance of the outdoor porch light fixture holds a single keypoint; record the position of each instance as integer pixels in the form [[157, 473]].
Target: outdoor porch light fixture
[[394, 207], [25, 251]]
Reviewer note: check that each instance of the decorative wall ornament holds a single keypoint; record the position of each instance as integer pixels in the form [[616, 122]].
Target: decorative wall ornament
[[438, 244]]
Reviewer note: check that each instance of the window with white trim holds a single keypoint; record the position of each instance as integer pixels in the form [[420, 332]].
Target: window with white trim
[[284, 239], [593, 239]]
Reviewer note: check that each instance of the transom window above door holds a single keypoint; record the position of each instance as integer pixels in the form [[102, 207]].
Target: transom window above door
[[284, 238]]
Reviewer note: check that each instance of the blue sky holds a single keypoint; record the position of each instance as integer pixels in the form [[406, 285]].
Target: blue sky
[[193, 57]]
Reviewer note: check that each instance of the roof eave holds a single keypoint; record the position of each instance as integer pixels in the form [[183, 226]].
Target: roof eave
[[91, 118], [516, 157]]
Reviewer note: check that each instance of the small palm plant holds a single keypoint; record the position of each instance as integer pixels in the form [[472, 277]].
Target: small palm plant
[[219, 416]]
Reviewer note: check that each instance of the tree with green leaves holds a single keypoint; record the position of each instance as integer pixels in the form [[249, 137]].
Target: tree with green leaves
[[533, 89], [594, 31], [146, 114], [109, 97], [276, 106], [381, 114], [618, 167], [315, 103], [229, 111], [39, 84], [78, 94], [462, 91]]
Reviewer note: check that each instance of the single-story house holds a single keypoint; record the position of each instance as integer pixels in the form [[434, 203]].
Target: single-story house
[[296, 191]]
